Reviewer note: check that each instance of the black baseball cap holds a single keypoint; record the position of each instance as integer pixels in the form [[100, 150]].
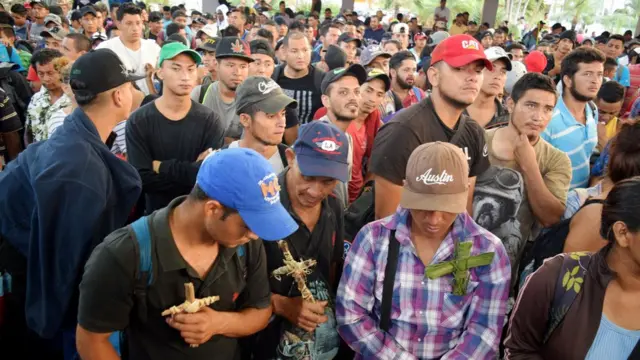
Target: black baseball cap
[[85, 80], [263, 93], [346, 37], [260, 46], [233, 46], [334, 75], [85, 10], [208, 45], [379, 74]]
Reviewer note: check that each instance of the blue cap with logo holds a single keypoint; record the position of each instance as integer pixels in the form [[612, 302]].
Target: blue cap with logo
[[322, 150], [244, 180]]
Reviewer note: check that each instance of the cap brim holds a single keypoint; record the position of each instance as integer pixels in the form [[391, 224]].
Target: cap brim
[[276, 104], [194, 55], [135, 77], [506, 59], [452, 203], [462, 60], [384, 78], [203, 48], [239, 56], [315, 166], [275, 224]]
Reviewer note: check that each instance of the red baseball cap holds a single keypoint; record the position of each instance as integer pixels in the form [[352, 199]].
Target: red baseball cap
[[460, 50], [536, 61], [419, 35]]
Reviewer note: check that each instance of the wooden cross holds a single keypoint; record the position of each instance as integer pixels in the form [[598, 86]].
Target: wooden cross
[[191, 304], [296, 269], [459, 266]]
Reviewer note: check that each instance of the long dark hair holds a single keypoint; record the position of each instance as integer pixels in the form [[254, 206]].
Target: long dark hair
[[622, 204]]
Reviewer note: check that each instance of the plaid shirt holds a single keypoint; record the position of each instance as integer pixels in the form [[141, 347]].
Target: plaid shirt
[[427, 320]]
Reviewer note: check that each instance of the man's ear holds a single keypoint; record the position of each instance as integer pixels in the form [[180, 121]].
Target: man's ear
[[290, 155]]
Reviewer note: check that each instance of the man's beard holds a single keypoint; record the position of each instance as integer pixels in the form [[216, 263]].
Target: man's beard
[[576, 95], [454, 102], [403, 84]]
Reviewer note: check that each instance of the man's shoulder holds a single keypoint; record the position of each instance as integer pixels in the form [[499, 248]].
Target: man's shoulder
[[150, 45]]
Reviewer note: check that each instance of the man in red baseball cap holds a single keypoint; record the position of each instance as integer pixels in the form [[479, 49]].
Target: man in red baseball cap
[[420, 42], [455, 74]]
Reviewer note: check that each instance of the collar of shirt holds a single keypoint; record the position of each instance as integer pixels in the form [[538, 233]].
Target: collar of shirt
[[567, 117]]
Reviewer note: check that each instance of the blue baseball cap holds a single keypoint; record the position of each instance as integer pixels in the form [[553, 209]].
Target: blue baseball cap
[[244, 180], [322, 150]]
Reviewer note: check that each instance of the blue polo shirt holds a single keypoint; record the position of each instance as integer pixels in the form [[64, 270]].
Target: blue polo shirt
[[575, 139]]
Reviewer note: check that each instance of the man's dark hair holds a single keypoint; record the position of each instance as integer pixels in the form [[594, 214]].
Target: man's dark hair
[[571, 62], [19, 9], [397, 59], [76, 16], [532, 81], [155, 16], [270, 23], [628, 32], [5, 18], [128, 9], [57, 10], [231, 31], [486, 24], [264, 33], [328, 9], [314, 15], [616, 37], [7, 30], [166, 8], [279, 20], [325, 28], [197, 194], [175, 38], [196, 12], [174, 9], [605, 34], [400, 16], [178, 13], [44, 56], [81, 41], [610, 63], [173, 28], [298, 26], [611, 92], [500, 31], [556, 26], [516, 46]]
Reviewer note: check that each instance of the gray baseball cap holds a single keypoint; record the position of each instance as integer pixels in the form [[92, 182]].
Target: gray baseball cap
[[57, 33], [370, 53], [495, 53], [264, 93], [437, 37], [53, 18]]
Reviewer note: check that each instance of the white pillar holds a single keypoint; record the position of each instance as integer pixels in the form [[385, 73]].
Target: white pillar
[[347, 4], [637, 27], [210, 6], [489, 12]]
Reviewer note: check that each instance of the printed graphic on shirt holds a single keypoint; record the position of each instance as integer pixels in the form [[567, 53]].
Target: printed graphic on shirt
[[497, 198], [305, 103], [323, 343]]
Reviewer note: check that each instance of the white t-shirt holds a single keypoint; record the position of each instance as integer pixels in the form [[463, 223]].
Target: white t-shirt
[[135, 61], [442, 13]]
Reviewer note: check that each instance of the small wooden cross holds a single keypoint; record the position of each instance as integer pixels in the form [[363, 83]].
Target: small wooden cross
[[459, 266], [296, 269], [191, 304]]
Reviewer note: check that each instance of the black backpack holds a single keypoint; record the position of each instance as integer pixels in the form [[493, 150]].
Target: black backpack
[[17, 89], [318, 75], [206, 82], [359, 213]]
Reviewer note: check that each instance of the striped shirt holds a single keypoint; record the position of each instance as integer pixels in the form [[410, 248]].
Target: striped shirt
[[119, 146], [427, 320], [577, 140]]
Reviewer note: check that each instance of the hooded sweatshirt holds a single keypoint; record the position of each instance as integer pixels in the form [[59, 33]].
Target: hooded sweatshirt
[[374, 36], [60, 198], [224, 23]]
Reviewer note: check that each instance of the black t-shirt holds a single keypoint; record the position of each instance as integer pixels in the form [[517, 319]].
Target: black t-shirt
[[107, 303], [418, 125], [305, 91], [176, 144]]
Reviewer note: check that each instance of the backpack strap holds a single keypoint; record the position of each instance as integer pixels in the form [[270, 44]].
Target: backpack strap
[[570, 282], [458, 133], [389, 279], [282, 148], [318, 76], [204, 90], [144, 275], [417, 93]]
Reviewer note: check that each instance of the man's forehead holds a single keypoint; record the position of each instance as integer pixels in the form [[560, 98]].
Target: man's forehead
[[182, 60]]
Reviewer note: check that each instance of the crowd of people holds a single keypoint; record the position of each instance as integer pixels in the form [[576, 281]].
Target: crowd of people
[[329, 186]]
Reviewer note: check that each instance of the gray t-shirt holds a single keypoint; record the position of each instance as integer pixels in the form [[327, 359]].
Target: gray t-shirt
[[226, 111], [275, 160], [36, 29]]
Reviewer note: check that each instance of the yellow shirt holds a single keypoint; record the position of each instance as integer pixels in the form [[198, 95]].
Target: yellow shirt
[[612, 127], [457, 30]]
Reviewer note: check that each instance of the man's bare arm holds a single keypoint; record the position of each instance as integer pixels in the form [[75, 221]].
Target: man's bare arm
[[94, 346], [12, 144], [387, 197]]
